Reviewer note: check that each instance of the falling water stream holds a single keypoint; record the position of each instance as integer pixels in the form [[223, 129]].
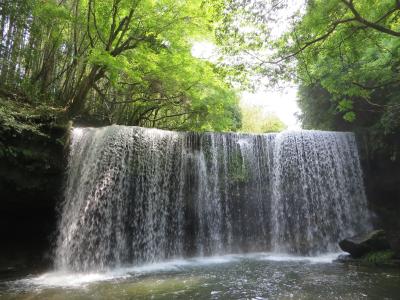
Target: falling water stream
[[181, 215], [137, 195]]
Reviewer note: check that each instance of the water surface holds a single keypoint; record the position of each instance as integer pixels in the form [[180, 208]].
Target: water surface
[[252, 276]]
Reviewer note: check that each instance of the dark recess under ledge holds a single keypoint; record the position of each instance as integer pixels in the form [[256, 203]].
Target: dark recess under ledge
[[31, 178]]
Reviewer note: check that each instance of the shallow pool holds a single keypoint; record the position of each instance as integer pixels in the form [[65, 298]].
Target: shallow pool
[[251, 276]]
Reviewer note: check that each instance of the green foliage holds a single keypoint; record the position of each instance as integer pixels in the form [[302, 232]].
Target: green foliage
[[350, 62], [255, 121], [349, 116], [345, 105], [348, 69], [379, 257], [237, 170], [318, 111], [273, 124], [20, 118], [125, 61], [349, 49]]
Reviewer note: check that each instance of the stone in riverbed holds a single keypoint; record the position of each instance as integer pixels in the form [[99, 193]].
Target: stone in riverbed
[[344, 258], [360, 245]]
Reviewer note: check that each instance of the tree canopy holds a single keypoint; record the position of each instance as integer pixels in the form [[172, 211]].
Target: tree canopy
[[348, 55], [117, 61], [344, 55], [130, 61]]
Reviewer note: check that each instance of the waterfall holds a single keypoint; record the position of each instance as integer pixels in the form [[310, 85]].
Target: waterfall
[[136, 195]]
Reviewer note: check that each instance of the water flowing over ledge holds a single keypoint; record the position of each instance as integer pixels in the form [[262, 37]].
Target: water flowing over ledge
[[137, 195]]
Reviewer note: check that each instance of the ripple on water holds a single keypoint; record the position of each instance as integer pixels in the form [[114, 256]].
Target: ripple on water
[[251, 276]]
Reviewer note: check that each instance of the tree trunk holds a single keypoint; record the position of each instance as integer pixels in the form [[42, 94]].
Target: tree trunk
[[78, 101]]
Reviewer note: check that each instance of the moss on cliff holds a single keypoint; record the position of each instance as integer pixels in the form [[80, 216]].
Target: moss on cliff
[[32, 144]]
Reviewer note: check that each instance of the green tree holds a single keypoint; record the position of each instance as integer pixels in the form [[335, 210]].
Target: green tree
[[255, 121], [347, 62], [344, 55], [119, 61], [348, 47]]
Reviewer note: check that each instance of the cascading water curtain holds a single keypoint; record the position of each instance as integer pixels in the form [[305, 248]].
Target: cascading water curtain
[[136, 195]]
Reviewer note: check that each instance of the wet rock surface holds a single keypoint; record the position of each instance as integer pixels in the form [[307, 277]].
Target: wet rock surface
[[361, 245], [31, 177]]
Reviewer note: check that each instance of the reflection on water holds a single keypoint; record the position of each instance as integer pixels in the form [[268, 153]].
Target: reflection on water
[[254, 276]]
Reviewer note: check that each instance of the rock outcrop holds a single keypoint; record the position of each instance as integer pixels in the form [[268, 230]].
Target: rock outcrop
[[31, 176], [361, 245]]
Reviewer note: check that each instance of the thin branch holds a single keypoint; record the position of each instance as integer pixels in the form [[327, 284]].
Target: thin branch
[[376, 86], [96, 27], [334, 25], [307, 44], [88, 24], [373, 25], [174, 115]]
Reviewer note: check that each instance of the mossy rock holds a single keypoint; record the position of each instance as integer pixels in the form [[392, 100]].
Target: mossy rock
[[379, 257], [360, 245]]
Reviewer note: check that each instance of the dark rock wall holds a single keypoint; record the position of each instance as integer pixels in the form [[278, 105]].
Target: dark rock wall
[[382, 182], [31, 177]]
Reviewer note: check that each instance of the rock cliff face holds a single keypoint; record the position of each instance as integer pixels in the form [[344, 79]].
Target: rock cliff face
[[382, 182], [31, 176]]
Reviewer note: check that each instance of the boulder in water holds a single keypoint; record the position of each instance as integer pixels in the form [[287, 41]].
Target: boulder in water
[[344, 258], [360, 245]]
